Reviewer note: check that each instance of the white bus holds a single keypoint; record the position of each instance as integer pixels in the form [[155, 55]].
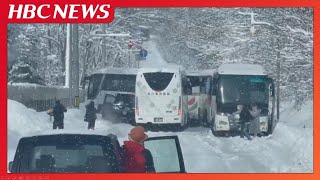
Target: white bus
[[241, 84], [109, 84], [160, 97], [199, 96]]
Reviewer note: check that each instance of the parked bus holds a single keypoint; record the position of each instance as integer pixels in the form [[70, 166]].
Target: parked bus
[[241, 84], [160, 97], [113, 91], [199, 96]]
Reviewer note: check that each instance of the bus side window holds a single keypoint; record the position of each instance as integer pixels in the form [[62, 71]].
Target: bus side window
[[186, 87], [203, 87]]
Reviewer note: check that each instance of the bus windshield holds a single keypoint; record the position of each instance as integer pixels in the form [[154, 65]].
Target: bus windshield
[[158, 81], [244, 89], [119, 82]]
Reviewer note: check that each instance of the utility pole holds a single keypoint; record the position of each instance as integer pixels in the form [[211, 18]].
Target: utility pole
[[130, 44], [103, 48], [75, 51], [278, 80], [69, 63], [68, 60]]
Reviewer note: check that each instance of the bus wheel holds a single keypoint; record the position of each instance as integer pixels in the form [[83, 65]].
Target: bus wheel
[[217, 133], [227, 134], [180, 127], [214, 132], [132, 121], [183, 127], [103, 115]]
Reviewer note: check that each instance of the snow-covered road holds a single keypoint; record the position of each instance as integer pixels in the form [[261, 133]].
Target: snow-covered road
[[289, 149], [153, 58]]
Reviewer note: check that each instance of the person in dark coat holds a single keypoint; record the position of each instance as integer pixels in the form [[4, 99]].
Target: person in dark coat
[[255, 121], [58, 115], [91, 116], [245, 118], [135, 158]]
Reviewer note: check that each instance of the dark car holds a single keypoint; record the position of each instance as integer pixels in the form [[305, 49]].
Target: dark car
[[119, 108], [87, 153]]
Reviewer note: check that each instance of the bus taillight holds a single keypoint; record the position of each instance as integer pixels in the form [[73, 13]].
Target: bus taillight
[[179, 110], [137, 107]]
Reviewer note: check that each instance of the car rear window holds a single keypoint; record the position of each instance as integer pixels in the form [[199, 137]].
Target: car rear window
[[69, 155]]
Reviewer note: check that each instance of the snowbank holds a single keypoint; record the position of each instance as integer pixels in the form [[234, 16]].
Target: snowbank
[[289, 149]]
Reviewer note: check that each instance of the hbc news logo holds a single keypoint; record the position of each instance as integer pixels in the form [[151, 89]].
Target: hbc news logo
[[76, 12]]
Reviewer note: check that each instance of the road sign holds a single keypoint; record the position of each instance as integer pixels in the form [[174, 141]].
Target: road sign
[[143, 54], [130, 44]]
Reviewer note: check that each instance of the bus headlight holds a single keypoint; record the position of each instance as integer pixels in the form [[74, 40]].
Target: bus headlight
[[264, 123], [222, 122]]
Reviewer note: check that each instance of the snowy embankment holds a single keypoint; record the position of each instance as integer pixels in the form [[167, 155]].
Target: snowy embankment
[[289, 149]]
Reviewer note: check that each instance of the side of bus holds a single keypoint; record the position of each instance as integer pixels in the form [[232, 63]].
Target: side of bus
[[199, 96], [112, 90]]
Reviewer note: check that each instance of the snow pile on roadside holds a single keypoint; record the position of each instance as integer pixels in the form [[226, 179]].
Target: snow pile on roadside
[[288, 149]]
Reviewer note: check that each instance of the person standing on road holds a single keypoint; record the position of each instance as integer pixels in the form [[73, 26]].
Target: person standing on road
[[135, 157], [255, 122], [58, 115], [245, 119], [91, 115]]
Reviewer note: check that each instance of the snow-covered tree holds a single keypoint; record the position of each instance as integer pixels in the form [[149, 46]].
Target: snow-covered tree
[[197, 38], [24, 73]]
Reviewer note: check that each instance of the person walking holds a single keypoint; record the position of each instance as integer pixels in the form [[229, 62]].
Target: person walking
[[90, 115]]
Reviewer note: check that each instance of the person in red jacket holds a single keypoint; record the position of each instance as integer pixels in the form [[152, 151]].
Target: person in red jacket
[[134, 157]]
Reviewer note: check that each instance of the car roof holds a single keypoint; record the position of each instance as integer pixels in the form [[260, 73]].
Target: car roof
[[65, 136], [119, 71]]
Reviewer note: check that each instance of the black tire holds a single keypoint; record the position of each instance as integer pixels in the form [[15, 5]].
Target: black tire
[[103, 115], [145, 126], [132, 122], [181, 128], [269, 130], [215, 133], [227, 134]]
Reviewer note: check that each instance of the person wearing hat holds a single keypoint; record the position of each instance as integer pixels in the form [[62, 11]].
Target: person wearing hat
[[134, 156], [58, 115]]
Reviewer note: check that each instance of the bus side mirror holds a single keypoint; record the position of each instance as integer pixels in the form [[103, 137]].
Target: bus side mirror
[[10, 166], [271, 89]]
